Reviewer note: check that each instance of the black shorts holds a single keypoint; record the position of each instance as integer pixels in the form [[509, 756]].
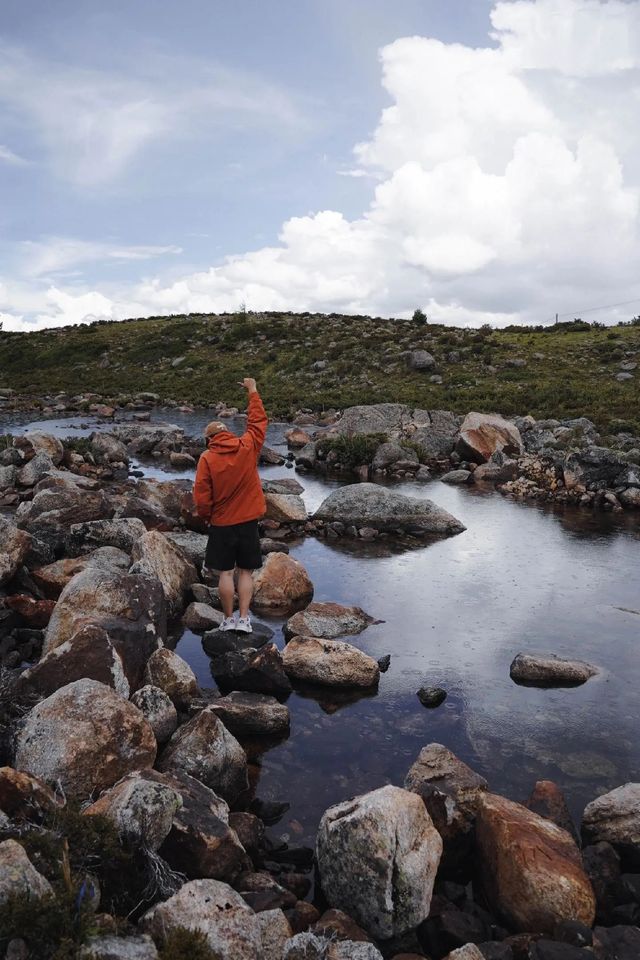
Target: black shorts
[[237, 545]]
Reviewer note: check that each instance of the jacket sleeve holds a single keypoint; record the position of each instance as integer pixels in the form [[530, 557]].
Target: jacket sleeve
[[203, 490], [257, 422]]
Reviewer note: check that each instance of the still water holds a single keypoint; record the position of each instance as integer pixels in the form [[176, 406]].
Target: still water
[[521, 578]]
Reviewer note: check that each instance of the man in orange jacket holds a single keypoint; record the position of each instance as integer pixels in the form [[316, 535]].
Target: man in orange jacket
[[228, 495]]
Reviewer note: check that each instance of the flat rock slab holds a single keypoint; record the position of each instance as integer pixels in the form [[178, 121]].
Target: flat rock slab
[[547, 670], [226, 641], [370, 505], [327, 620], [251, 713]]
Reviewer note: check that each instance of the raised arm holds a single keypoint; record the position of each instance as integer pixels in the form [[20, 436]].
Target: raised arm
[[203, 490], [257, 419]]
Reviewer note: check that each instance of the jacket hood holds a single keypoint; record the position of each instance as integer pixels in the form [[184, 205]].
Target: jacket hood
[[224, 442]]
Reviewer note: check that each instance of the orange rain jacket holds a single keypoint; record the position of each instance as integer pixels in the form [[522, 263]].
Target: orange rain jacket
[[227, 488]]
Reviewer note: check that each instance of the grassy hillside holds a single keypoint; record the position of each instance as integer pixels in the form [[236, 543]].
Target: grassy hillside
[[569, 370]]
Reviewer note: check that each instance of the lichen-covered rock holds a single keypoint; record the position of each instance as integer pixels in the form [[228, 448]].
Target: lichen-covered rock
[[206, 750], [15, 547], [157, 556], [281, 585], [370, 505], [18, 876], [615, 817], [141, 808], [531, 869], [192, 544], [108, 449], [332, 663], [24, 796], [85, 736], [52, 511], [157, 708], [36, 441], [327, 620], [245, 713], [481, 434], [275, 930], [140, 947], [120, 533], [53, 578], [311, 946], [131, 608], [451, 790], [230, 926], [377, 857], [165, 669], [35, 470]]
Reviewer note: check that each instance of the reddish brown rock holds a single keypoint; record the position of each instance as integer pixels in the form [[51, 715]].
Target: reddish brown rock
[[340, 926], [481, 434], [166, 670], [15, 547], [281, 585], [327, 620], [36, 613], [89, 654], [23, 796], [547, 800], [297, 438], [531, 869]]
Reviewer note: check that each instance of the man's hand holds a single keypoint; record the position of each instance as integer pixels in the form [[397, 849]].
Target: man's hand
[[249, 384]]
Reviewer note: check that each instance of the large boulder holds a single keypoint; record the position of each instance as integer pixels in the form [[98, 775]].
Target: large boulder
[[435, 432], [615, 818], [285, 507], [598, 468], [253, 669], [158, 709], [141, 808], [85, 736], [35, 441], [53, 511], [166, 670], [192, 544], [121, 533], [332, 663], [157, 556], [108, 449], [451, 790], [377, 858], [421, 360], [206, 750], [327, 620], [548, 670], [18, 876], [384, 418], [210, 906], [15, 548], [481, 434], [53, 578], [370, 505], [531, 870], [88, 653], [131, 608], [281, 585], [251, 714], [35, 470]]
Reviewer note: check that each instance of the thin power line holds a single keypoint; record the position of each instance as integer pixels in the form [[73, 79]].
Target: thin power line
[[607, 306]]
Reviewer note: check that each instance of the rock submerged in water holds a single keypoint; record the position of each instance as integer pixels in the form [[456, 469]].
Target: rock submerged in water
[[431, 696], [329, 663], [549, 670], [370, 505], [377, 857]]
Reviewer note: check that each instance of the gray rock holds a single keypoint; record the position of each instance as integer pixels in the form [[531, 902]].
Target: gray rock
[[457, 477], [549, 670], [158, 710], [35, 470], [389, 453], [123, 534], [285, 507], [200, 617], [311, 946], [329, 663], [328, 621], [275, 930], [615, 818], [369, 505], [8, 477], [157, 556], [108, 449], [307, 456], [166, 670], [18, 876], [15, 547], [119, 948], [287, 485], [245, 713], [140, 808], [377, 856], [230, 926], [43, 443], [421, 360], [192, 544], [498, 469]]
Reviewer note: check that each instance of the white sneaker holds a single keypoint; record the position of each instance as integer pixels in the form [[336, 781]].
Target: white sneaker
[[243, 625], [229, 623]]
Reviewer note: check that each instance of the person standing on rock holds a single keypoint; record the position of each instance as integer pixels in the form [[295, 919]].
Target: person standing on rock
[[228, 496]]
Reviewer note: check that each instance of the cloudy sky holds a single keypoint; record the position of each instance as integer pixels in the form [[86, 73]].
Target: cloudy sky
[[478, 159]]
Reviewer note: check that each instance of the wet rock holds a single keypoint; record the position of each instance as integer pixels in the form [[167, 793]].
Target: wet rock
[[53, 578], [165, 669], [254, 670], [498, 469], [286, 485], [88, 653], [281, 585], [451, 791], [158, 710], [141, 808], [456, 477], [384, 662], [112, 947], [202, 841], [431, 696], [206, 750], [200, 617], [23, 796], [602, 865], [286, 508], [547, 800], [230, 926], [377, 857], [270, 457], [482, 434], [615, 818], [307, 456], [192, 544], [246, 713], [268, 545], [18, 876], [157, 556], [85, 736], [329, 662], [275, 930], [122, 534], [549, 670], [302, 916], [262, 892], [367, 504], [531, 870], [15, 547], [131, 608], [327, 621]]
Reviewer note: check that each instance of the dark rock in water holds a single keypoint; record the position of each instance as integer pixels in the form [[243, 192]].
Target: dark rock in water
[[620, 943], [225, 641], [249, 830], [431, 696], [548, 801], [549, 670], [384, 663], [251, 713], [551, 950], [255, 670], [269, 811], [602, 865], [573, 932]]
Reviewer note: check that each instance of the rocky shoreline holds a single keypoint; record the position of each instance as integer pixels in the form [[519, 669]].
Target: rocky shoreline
[[128, 809]]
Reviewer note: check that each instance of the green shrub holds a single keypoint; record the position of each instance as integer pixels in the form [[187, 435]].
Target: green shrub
[[351, 451], [184, 944], [420, 318]]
